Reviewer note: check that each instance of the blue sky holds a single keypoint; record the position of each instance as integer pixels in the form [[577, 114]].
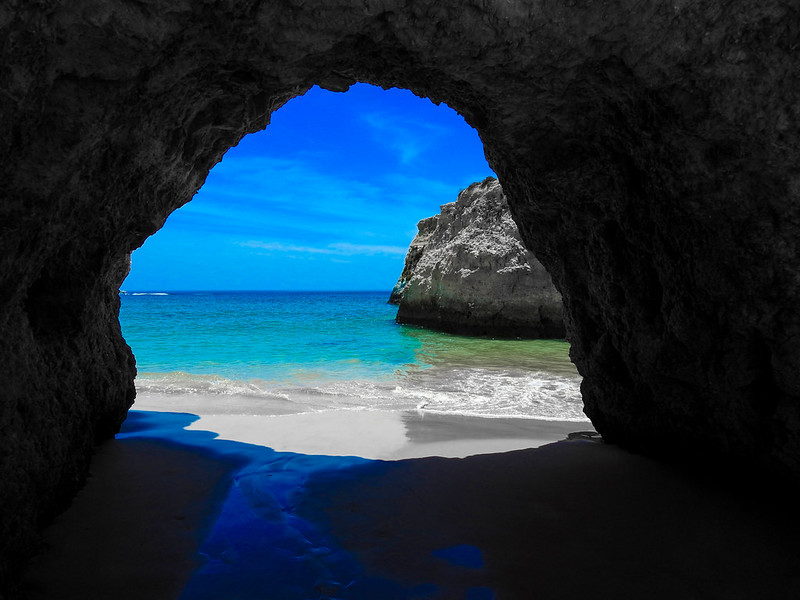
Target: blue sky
[[327, 197]]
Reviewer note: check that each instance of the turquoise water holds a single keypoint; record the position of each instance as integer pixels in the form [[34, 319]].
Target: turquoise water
[[278, 352]]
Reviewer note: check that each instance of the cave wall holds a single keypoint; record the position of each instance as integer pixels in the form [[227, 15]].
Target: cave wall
[[649, 152]]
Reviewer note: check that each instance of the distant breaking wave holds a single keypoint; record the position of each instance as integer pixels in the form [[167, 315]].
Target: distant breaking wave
[[179, 382]]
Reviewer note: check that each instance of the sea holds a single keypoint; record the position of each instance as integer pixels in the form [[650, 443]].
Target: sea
[[297, 352]]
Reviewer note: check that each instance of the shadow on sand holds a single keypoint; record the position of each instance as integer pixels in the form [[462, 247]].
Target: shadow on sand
[[171, 513]]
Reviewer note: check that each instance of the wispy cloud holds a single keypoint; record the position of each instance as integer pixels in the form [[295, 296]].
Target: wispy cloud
[[408, 138], [292, 200], [337, 249], [367, 249], [269, 181]]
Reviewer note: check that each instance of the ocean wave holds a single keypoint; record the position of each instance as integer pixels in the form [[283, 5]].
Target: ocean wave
[[146, 293], [475, 392], [179, 382], [498, 394]]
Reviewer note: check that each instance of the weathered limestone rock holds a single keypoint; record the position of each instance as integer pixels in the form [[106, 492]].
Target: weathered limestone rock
[[468, 272], [415, 250], [649, 152]]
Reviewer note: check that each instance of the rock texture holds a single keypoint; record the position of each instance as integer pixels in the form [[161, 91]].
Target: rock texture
[[467, 271], [649, 152], [415, 251]]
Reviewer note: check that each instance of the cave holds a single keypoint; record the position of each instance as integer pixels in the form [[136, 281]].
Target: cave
[[648, 152]]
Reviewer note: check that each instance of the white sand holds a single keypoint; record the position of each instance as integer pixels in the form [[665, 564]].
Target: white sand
[[383, 435]]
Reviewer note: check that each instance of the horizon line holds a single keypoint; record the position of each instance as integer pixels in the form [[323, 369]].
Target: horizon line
[[165, 291]]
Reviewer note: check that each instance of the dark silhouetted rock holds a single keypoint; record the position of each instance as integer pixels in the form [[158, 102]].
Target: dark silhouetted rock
[[649, 152], [467, 271]]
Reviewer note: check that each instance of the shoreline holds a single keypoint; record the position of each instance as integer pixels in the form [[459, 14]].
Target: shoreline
[[382, 434], [386, 435]]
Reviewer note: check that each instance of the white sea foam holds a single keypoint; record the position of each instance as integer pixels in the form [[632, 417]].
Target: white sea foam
[[497, 393], [179, 382], [488, 393], [149, 294]]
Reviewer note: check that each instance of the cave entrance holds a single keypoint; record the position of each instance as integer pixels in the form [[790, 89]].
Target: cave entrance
[[327, 197], [649, 155], [272, 284]]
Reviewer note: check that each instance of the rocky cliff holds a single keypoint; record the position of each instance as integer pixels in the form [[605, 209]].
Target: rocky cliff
[[415, 250], [467, 271], [649, 152]]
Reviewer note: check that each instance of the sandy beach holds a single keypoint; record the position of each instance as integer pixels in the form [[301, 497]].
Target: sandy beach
[[386, 435], [174, 511]]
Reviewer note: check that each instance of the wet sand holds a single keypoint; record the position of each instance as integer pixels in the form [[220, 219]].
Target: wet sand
[[173, 511]]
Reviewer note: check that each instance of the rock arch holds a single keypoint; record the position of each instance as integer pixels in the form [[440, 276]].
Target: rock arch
[[648, 151]]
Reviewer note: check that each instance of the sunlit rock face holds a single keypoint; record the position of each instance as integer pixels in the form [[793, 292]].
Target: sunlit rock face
[[649, 153], [415, 251], [468, 272]]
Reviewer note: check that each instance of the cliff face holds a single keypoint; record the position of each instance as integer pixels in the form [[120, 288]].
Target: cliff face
[[468, 272], [415, 250], [649, 152]]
